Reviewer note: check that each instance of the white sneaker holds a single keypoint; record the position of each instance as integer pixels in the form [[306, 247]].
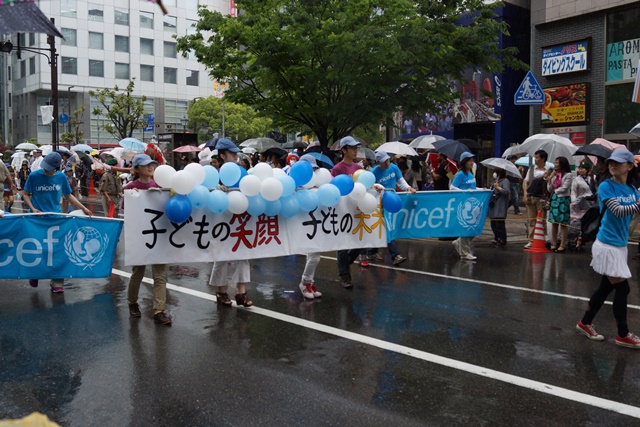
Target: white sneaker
[[306, 290], [316, 292], [468, 257], [528, 245]]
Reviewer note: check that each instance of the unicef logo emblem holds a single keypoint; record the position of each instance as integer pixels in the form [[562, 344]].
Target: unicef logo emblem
[[85, 247], [470, 213]]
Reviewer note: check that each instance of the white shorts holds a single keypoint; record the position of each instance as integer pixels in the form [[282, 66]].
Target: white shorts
[[610, 260]]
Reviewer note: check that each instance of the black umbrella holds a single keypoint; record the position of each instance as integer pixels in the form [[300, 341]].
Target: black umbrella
[[211, 143], [470, 143], [594, 150], [85, 158], [274, 150], [25, 17], [451, 148], [294, 144]]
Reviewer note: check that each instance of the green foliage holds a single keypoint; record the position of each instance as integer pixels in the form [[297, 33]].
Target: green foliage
[[123, 112], [332, 66], [74, 135], [241, 121]]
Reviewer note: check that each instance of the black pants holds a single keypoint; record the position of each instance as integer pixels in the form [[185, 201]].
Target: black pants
[[345, 259], [499, 229]]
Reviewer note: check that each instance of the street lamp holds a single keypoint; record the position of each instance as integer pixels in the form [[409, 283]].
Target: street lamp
[[69, 109], [184, 122]]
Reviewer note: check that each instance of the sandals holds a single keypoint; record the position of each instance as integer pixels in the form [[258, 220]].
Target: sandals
[[223, 299], [242, 299], [560, 250]]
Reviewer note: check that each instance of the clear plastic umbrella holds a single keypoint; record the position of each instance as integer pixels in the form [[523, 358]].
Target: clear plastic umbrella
[[425, 141], [397, 147], [500, 163], [26, 146], [554, 145], [261, 144]]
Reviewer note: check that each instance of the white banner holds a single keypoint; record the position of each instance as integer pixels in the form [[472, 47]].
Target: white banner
[[150, 238]]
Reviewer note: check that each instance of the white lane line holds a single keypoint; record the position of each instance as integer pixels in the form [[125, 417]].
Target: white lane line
[[549, 389], [483, 282]]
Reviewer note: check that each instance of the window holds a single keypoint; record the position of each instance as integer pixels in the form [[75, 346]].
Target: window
[[170, 75], [32, 65], [68, 8], [96, 40], [191, 4], [122, 71], [146, 73], [146, 20], [70, 37], [96, 12], [121, 16], [32, 39], [174, 111], [69, 65], [146, 46], [96, 68], [191, 26], [122, 44], [192, 78], [169, 50], [170, 3], [23, 69], [170, 24]]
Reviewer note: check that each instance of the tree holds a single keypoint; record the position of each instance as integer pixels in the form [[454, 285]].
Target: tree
[[334, 65], [124, 112], [241, 121], [74, 135]]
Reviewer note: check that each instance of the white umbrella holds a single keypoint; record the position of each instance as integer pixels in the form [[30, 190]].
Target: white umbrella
[[635, 130], [260, 144], [397, 147], [524, 161], [500, 163], [511, 151], [425, 141], [554, 145], [26, 146], [248, 150], [46, 149]]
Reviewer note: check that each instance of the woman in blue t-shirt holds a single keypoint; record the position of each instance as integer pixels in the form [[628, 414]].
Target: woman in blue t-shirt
[[619, 201], [464, 180]]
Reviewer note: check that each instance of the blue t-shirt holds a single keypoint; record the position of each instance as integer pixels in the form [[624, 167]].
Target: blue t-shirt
[[46, 191], [464, 180], [388, 177], [614, 231]]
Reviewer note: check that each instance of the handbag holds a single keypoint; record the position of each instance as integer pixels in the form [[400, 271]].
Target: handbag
[[112, 210]]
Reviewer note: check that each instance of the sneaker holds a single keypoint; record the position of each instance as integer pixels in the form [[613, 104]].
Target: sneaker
[[528, 245], [345, 281], [375, 257], [57, 289], [134, 310], [363, 263], [468, 257], [630, 341], [162, 318], [589, 331], [316, 292], [33, 283], [456, 244], [398, 259], [306, 290]]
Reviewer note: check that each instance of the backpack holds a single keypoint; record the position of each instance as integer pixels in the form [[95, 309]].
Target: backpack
[[590, 223]]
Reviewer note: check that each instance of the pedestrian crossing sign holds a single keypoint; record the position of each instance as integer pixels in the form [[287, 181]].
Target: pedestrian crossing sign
[[529, 92]]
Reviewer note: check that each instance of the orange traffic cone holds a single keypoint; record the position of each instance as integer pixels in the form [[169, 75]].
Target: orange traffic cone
[[538, 237]]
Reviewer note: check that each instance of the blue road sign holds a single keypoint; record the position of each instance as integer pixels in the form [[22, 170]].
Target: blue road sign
[[150, 122], [64, 118], [529, 92]]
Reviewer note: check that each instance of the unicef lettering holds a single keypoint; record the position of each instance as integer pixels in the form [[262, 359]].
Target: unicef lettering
[[422, 217], [36, 249]]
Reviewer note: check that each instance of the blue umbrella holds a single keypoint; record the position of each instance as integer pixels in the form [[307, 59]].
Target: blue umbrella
[[133, 144], [82, 147], [322, 160]]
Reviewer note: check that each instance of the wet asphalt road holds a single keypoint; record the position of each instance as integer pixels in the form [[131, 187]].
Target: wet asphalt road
[[424, 344]]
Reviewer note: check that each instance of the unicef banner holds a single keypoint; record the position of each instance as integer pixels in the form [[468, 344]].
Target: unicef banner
[[150, 238], [57, 246], [439, 214]]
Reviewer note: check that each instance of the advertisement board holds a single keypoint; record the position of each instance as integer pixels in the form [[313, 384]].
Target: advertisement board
[[565, 105], [622, 60], [565, 58]]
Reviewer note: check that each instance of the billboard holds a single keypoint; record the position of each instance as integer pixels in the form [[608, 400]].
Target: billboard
[[565, 105]]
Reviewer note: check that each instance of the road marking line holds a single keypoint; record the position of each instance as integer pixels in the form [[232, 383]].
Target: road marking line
[[483, 282], [549, 389]]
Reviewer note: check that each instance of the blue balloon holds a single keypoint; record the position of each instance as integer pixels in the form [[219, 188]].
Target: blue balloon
[[307, 200], [199, 196], [230, 173], [273, 208], [257, 205], [367, 179], [344, 184], [243, 173], [328, 195], [211, 177], [288, 185], [217, 201], [178, 209], [290, 206], [391, 202], [301, 172]]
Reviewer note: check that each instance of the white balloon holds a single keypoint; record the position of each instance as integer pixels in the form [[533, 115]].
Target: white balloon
[[368, 204], [358, 192], [323, 176], [197, 171], [271, 189], [250, 185], [263, 171], [278, 172], [163, 174], [313, 182], [238, 202], [182, 182]]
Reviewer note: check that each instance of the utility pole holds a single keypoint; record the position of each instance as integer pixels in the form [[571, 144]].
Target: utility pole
[[51, 40]]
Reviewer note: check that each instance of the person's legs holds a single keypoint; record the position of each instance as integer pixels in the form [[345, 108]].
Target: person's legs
[[502, 231], [220, 277], [465, 248], [597, 300], [494, 228], [532, 213], [105, 204], [241, 277], [514, 199], [564, 236], [620, 307], [392, 247], [554, 236], [137, 273], [57, 285], [159, 273], [309, 272]]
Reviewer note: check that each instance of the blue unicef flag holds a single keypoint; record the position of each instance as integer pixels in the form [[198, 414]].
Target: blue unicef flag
[[439, 214], [57, 246]]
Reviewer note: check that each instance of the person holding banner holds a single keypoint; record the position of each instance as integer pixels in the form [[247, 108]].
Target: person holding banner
[[238, 272], [42, 193], [464, 180], [143, 169], [498, 206], [388, 175]]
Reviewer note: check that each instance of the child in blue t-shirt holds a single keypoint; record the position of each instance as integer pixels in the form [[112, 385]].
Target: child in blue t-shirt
[[464, 180]]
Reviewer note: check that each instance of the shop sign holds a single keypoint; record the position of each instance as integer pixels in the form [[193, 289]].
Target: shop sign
[[622, 60], [565, 58], [565, 105]]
